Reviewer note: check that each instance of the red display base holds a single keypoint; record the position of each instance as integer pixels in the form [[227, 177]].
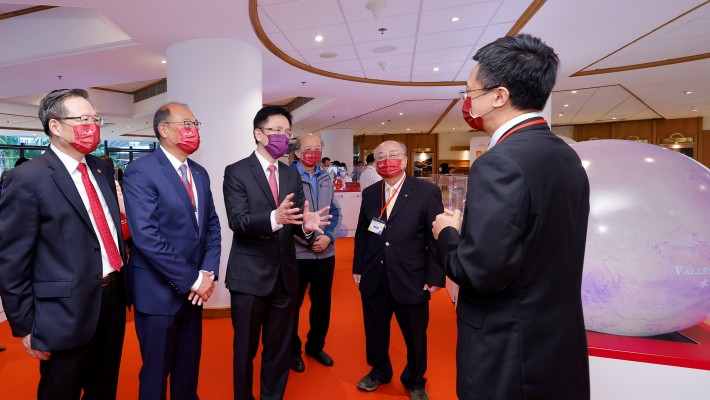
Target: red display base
[[654, 351]]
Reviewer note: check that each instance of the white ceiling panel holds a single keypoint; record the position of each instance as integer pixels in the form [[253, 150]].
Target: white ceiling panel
[[333, 35], [397, 27], [265, 21], [441, 76], [395, 61], [8, 8], [403, 45], [280, 41], [440, 20], [304, 14], [510, 11], [340, 67], [346, 52], [296, 56], [355, 10], [458, 54], [392, 74], [436, 41], [626, 108], [439, 4], [494, 32]]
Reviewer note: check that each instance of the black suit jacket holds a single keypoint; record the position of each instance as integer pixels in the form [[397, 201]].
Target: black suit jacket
[[405, 251], [519, 261], [50, 257], [258, 254]]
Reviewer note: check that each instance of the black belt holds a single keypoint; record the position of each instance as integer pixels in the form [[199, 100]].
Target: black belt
[[109, 279]]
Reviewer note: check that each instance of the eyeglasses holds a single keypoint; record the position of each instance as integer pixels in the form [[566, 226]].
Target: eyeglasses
[[390, 155], [464, 93], [279, 131], [311, 149], [87, 120], [187, 124]]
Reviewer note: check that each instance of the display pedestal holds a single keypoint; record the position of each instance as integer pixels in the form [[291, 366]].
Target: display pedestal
[[624, 368], [349, 200]]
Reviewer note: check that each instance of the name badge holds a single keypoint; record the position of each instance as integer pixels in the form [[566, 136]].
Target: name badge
[[376, 226]]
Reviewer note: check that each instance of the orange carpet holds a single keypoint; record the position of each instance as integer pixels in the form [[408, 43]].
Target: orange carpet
[[19, 373]]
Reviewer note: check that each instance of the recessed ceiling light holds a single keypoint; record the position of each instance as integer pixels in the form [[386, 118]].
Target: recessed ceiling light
[[560, 114], [319, 38], [454, 19], [401, 113], [328, 54], [407, 128], [163, 62], [454, 128], [566, 105], [383, 123], [688, 92], [573, 92], [613, 117], [436, 69]]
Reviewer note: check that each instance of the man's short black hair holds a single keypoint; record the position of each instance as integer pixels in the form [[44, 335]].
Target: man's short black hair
[[52, 105], [162, 115], [266, 112], [324, 159], [524, 65], [370, 158]]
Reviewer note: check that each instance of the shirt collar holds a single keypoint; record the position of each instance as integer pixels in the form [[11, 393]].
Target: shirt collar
[[173, 161], [264, 162], [69, 163], [509, 124], [303, 171], [396, 184]]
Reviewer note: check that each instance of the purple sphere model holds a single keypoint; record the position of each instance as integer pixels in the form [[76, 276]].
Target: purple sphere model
[[647, 261]]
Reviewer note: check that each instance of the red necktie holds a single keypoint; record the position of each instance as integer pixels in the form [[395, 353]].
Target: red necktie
[[97, 211], [272, 183]]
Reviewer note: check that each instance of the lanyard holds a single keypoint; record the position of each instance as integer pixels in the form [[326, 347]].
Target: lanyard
[[510, 132], [382, 210], [189, 188]]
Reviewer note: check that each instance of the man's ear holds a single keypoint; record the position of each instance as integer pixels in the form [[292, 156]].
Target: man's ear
[[55, 127], [501, 96]]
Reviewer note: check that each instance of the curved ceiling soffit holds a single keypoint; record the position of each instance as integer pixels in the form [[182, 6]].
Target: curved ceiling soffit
[[535, 5]]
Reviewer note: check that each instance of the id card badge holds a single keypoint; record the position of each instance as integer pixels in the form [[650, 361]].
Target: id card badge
[[376, 226]]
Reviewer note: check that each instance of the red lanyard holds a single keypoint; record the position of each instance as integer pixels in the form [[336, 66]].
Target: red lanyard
[[189, 189], [510, 132], [382, 210]]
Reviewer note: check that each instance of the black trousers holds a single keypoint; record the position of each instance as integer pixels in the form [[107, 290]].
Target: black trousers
[[413, 320], [273, 315], [94, 366], [318, 273]]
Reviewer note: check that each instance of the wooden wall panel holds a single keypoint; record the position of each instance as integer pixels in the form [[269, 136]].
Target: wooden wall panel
[[626, 130], [369, 142], [688, 127], [592, 131], [703, 148]]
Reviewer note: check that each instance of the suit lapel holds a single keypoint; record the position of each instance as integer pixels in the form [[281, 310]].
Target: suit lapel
[[283, 182], [403, 196], [172, 177], [200, 186], [66, 185], [260, 177]]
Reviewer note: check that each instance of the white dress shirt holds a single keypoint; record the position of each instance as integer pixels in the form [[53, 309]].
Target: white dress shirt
[[509, 124], [368, 176]]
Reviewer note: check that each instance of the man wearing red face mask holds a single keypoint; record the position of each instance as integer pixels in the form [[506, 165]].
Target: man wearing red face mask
[[316, 260], [517, 251], [61, 278], [396, 267], [175, 255]]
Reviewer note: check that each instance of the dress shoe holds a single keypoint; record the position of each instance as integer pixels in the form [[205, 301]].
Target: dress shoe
[[323, 358], [369, 383], [2, 347], [418, 394], [297, 363]]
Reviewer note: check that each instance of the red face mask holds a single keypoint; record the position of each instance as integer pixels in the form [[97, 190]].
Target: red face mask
[[311, 158], [189, 140], [86, 138], [475, 123], [389, 168]]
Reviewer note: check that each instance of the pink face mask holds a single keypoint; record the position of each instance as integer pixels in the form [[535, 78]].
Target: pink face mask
[[189, 140], [86, 138], [389, 167]]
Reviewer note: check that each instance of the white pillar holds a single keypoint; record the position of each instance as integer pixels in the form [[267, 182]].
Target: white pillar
[[338, 145], [547, 111], [220, 80]]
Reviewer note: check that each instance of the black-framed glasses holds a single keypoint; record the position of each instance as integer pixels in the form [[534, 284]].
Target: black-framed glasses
[[86, 119], [464, 93], [391, 155], [187, 124], [279, 131]]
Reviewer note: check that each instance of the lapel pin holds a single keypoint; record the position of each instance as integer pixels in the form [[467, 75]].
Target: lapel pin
[[98, 170]]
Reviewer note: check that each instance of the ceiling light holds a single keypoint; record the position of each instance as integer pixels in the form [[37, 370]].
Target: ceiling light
[[566, 105], [383, 123], [613, 117], [407, 128], [375, 7], [401, 113], [454, 19], [163, 62], [328, 54], [560, 114], [573, 92], [436, 69], [688, 92], [319, 38]]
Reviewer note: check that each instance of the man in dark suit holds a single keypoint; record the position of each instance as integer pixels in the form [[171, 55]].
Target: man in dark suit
[[396, 267], [175, 257], [264, 199], [518, 256], [60, 260]]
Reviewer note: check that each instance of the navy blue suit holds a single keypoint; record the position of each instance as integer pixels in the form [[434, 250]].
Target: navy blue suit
[[170, 248]]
